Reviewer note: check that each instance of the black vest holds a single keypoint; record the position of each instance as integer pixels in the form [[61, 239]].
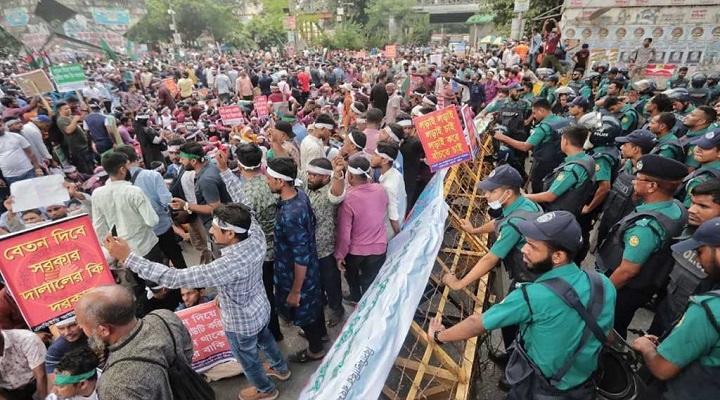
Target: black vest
[[687, 278], [513, 262], [683, 189], [512, 116], [612, 155], [549, 152], [575, 198], [677, 147], [656, 269], [619, 201], [699, 97]]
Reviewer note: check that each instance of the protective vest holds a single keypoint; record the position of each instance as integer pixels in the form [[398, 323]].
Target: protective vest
[[683, 189], [699, 97], [677, 146], [549, 153], [612, 156], [576, 86], [575, 198], [513, 262], [619, 201], [512, 116], [609, 255], [687, 278]]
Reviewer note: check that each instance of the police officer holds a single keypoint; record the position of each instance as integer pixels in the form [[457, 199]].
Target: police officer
[[668, 145], [687, 277], [589, 90], [548, 90], [680, 99], [657, 104], [614, 88], [570, 185], [502, 191], [680, 80], [697, 124], [605, 83], [576, 82], [636, 252], [645, 89], [544, 140], [552, 241], [623, 111], [620, 202], [713, 85], [514, 114], [699, 94], [688, 358], [707, 153]]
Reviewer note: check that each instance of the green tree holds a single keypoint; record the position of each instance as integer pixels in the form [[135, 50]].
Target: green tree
[[408, 26], [348, 35], [503, 11], [267, 28], [8, 43]]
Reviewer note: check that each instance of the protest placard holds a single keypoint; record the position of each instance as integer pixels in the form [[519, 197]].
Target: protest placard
[[471, 133], [69, 77], [172, 86], [436, 59], [210, 345], [261, 106], [48, 269], [442, 138], [390, 51], [231, 115], [38, 192], [34, 83]]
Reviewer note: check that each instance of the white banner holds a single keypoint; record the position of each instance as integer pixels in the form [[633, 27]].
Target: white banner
[[361, 358]]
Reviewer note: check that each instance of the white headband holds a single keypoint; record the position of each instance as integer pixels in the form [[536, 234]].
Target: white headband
[[383, 155], [428, 101], [358, 171], [278, 175], [314, 169], [226, 226], [173, 148], [352, 140], [392, 134], [325, 126], [360, 120], [405, 122], [355, 110], [249, 168]]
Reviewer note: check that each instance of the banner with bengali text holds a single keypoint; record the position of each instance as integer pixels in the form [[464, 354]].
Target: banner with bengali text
[[231, 115], [260, 104], [210, 345], [48, 269], [442, 138]]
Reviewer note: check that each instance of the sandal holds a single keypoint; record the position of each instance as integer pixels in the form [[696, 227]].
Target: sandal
[[334, 320], [303, 356]]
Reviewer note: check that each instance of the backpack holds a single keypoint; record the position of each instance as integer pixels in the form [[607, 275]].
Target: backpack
[[186, 384]]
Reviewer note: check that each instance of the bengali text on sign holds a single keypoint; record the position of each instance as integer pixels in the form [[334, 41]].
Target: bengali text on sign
[[261, 106], [210, 346], [49, 268], [442, 138], [231, 115]]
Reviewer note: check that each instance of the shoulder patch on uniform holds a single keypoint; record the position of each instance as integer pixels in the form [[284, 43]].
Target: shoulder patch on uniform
[[597, 167], [560, 177], [625, 119], [634, 241]]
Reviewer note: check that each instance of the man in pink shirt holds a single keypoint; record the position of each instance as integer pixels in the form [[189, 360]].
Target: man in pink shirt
[[373, 119], [244, 86], [361, 234]]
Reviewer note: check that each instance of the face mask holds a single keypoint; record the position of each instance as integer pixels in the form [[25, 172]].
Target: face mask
[[497, 204]]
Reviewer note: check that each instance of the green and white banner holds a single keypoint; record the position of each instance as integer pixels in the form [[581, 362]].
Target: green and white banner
[[68, 77]]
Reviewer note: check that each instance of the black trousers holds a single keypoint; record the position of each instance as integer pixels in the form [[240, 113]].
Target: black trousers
[[360, 272], [138, 286], [83, 161], [268, 282], [586, 222], [538, 172], [331, 284], [628, 301], [314, 333], [22, 393], [510, 332], [171, 249]]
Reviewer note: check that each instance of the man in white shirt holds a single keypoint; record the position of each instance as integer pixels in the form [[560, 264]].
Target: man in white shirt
[[17, 161], [22, 365], [121, 206], [535, 43], [392, 181], [32, 132], [313, 146], [284, 86], [223, 86], [92, 92]]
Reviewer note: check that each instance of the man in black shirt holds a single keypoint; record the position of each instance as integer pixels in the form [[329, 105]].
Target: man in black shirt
[[378, 94]]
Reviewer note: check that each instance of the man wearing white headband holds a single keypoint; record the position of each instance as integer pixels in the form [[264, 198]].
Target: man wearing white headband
[[415, 172], [394, 133], [17, 161], [313, 146], [245, 310], [325, 189], [393, 183], [361, 233], [71, 338], [297, 269], [373, 120], [354, 146]]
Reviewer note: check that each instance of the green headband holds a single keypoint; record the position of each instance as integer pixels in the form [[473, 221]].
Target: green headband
[[289, 119], [190, 156], [73, 379]]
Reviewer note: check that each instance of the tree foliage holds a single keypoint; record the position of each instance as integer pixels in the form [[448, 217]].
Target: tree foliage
[[503, 11], [8, 43]]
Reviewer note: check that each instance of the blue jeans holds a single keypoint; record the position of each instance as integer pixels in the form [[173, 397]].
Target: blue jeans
[[28, 175], [244, 348]]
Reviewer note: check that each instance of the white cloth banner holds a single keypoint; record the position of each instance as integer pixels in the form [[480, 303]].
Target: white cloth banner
[[360, 360]]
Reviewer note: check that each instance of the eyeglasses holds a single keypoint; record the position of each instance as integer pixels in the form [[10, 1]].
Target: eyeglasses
[[644, 180]]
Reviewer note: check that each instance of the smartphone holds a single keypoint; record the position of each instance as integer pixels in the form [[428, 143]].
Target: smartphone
[[114, 231]]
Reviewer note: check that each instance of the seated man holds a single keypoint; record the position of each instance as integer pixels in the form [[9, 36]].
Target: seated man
[[192, 297], [77, 375], [22, 365]]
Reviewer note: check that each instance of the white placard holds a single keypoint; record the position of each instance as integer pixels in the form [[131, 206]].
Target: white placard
[[38, 192]]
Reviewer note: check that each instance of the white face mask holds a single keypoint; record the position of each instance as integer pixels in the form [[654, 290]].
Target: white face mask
[[497, 204]]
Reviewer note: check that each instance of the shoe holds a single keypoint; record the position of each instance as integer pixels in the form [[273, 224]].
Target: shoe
[[335, 319], [499, 357], [325, 338], [304, 356], [251, 393], [273, 373], [503, 384]]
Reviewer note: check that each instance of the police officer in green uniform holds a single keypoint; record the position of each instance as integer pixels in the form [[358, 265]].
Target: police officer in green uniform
[[502, 191], [697, 123], [549, 88], [688, 359], [527, 91], [550, 330], [589, 90], [620, 201], [612, 89], [707, 153], [636, 253], [607, 78], [687, 277], [668, 145], [624, 112], [544, 140], [680, 80], [570, 185]]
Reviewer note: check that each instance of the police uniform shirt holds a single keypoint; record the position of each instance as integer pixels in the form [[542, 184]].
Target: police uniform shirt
[[664, 149], [541, 133], [694, 337], [690, 156], [552, 318], [640, 240], [566, 179], [497, 105], [586, 92], [603, 167], [509, 237], [628, 119], [698, 180]]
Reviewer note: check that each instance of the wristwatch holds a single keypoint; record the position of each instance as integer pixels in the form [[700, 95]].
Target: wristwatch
[[436, 339], [186, 207]]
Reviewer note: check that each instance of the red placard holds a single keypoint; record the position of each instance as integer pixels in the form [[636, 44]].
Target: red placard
[[471, 133], [210, 345], [231, 115], [49, 268], [390, 51], [172, 86], [261, 106], [442, 138]]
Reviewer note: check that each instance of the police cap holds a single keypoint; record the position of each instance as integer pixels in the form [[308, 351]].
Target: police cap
[[709, 140], [504, 175], [559, 228], [708, 234], [660, 167], [641, 137]]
